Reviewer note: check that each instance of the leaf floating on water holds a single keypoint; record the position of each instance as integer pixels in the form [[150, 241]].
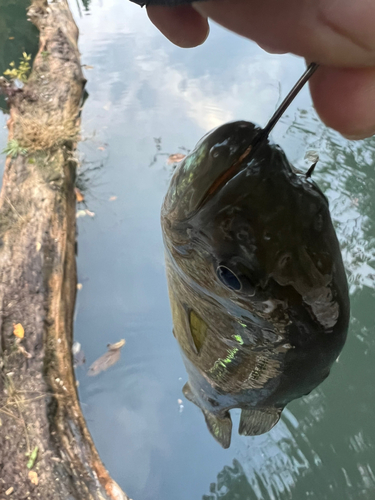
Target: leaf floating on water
[[312, 156], [117, 345], [78, 355], [18, 330], [83, 213], [32, 458], [176, 158], [79, 196], [108, 359], [33, 476]]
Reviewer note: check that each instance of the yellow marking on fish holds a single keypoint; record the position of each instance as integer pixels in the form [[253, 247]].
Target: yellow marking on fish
[[198, 330]]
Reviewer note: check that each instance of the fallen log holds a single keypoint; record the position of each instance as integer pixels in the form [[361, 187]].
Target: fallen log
[[46, 450]]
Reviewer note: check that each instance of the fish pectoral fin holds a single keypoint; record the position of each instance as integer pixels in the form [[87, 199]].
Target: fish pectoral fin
[[256, 422], [189, 395], [219, 427]]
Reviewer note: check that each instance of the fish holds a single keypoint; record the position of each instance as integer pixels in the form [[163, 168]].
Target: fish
[[256, 280]]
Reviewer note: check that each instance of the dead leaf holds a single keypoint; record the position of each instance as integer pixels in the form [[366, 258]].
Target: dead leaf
[[113, 198], [78, 355], [176, 158], [9, 491], [79, 196], [33, 476], [18, 330], [108, 359], [312, 156], [23, 351], [116, 345], [83, 213]]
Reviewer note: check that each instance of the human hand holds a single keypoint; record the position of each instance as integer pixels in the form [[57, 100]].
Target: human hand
[[337, 34]]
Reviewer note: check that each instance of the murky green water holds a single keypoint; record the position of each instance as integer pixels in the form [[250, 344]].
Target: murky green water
[[149, 99]]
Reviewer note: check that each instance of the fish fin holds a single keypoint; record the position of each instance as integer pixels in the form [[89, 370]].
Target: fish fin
[[189, 395], [310, 170], [219, 427], [256, 422]]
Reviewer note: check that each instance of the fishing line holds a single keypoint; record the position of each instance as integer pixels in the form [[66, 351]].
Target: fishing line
[[264, 133]]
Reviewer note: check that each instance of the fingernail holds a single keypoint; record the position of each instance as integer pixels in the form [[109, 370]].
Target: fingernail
[[271, 50]]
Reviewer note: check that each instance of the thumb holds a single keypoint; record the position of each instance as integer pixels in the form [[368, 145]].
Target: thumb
[[330, 32]]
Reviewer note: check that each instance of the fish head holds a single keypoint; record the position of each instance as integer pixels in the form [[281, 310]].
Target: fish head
[[197, 174], [243, 224]]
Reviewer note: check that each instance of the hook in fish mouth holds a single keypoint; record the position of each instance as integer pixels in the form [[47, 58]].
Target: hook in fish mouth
[[260, 137]]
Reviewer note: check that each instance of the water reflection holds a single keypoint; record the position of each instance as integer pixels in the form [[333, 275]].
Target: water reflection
[[255, 474], [17, 35], [142, 87]]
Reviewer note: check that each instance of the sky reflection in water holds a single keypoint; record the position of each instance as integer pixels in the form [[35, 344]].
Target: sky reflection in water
[[141, 88]]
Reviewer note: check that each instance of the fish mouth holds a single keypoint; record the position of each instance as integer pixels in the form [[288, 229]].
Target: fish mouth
[[225, 177], [234, 169]]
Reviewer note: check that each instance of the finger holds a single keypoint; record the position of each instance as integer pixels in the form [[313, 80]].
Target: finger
[[345, 100], [331, 32], [182, 25]]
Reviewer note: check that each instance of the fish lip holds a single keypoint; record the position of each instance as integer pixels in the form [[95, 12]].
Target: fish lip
[[251, 149], [226, 176]]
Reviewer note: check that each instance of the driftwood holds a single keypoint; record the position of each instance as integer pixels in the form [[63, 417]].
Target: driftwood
[[43, 436]]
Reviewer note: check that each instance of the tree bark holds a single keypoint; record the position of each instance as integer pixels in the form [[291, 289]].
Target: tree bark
[[38, 399]]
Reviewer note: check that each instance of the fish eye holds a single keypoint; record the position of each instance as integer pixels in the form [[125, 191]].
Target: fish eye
[[228, 278]]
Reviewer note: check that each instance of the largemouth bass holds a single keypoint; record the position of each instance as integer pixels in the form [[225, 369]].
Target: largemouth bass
[[256, 280]]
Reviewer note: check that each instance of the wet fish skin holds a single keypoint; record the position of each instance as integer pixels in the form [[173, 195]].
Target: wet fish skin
[[257, 285]]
